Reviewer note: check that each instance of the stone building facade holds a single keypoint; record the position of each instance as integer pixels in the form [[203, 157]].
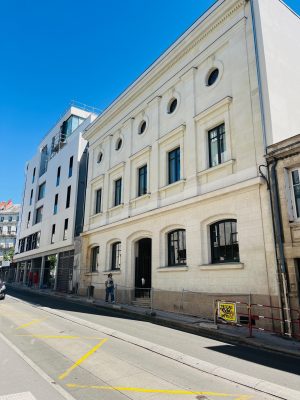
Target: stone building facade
[[176, 206]]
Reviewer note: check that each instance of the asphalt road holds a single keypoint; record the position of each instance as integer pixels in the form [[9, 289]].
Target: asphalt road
[[90, 365]]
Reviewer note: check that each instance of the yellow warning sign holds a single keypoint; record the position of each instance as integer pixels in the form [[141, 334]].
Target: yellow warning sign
[[227, 311]]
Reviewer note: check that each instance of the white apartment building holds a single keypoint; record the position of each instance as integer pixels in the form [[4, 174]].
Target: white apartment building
[[53, 204], [175, 200], [9, 217]]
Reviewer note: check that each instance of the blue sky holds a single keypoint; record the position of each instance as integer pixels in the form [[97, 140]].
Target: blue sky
[[56, 51]]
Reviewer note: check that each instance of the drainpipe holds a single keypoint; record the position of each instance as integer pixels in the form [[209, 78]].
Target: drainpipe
[[281, 264]]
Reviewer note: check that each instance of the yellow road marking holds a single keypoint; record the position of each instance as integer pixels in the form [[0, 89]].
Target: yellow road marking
[[162, 391], [34, 321], [83, 358], [59, 337]]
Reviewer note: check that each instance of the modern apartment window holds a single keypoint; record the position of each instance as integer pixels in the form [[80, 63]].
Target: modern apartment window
[[296, 190], [28, 219], [70, 167], [31, 197], [68, 197], [66, 229], [44, 160], [38, 215], [94, 259], [58, 176], [142, 180], [174, 165], [53, 233], [55, 204], [98, 195], [177, 247], [41, 193], [216, 145], [118, 192], [224, 242], [35, 240], [33, 175], [116, 255]]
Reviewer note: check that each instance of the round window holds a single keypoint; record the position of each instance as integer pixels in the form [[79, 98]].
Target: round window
[[142, 127], [172, 105], [212, 77], [100, 157], [119, 144]]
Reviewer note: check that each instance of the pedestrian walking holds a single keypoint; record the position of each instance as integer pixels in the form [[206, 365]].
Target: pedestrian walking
[[109, 289]]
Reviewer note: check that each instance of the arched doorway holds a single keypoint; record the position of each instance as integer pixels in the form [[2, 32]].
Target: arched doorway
[[143, 266]]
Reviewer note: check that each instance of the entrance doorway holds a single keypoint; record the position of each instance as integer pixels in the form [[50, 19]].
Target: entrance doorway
[[143, 268]]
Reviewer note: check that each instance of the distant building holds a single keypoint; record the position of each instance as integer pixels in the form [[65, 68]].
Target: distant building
[[53, 205], [9, 217]]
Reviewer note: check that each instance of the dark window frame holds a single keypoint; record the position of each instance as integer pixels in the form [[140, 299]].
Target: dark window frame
[[55, 206], [295, 178], [177, 247], [39, 211], [118, 192], [116, 256], [222, 249], [142, 180], [66, 228], [68, 198], [98, 200], [71, 166], [58, 176], [217, 134], [94, 258], [53, 233], [41, 191], [174, 165]]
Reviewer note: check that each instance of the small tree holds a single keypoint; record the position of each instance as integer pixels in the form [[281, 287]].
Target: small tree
[[9, 254]]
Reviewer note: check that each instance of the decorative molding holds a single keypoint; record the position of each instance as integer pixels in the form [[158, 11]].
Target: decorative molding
[[160, 66], [213, 108], [213, 169], [174, 132], [141, 152], [221, 266], [173, 268]]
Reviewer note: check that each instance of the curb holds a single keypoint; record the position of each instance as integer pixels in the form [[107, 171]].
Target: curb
[[203, 366], [170, 323]]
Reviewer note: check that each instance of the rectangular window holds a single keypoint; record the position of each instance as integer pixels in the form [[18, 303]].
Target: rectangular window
[[118, 192], [94, 259], [55, 204], [174, 165], [53, 233], [71, 167], [44, 160], [9, 230], [142, 179], [41, 193], [58, 176], [296, 190], [38, 215], [33, 175], [66, 229], [98, 195], [28, 219], [216, 145], [68, 197], [31, 196], [116, 256]]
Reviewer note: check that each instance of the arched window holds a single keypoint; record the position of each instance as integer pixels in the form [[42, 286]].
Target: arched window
[[116, 255], [224, 242], [176, 247], [94, 258]]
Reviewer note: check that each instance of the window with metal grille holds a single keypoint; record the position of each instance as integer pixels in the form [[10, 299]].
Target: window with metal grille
[[94, 258]]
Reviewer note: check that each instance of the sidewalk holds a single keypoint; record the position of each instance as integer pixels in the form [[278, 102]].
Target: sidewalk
[[190, 324]]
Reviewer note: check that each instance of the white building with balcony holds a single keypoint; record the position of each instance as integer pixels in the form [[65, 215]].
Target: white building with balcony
[[53, 205], [176, 205], [9, 217]]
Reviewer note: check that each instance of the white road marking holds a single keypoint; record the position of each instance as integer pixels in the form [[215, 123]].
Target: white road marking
[[18, 396]]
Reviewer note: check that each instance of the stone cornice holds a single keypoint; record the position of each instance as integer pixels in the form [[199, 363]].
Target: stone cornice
[[185, 44]]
